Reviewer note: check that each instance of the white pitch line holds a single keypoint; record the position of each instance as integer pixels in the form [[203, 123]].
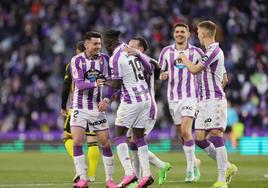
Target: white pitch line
[[40, 184], [99, 183]]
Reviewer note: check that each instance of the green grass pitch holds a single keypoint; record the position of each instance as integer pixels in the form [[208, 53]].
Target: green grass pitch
[[35, 169]]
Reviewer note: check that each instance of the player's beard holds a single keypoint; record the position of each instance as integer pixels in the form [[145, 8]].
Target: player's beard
[[181, 40], [94, 54]]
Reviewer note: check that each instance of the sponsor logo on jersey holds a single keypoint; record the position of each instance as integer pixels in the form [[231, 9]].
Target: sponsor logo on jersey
[[179, 64], [208, 120], [204, 58], [92, 75], [187, 108]]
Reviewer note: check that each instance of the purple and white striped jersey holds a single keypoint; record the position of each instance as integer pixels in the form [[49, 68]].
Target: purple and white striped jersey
[[149, 78], [181, 83], [212, 76], [134, 88], [153, 107], [86, 94]]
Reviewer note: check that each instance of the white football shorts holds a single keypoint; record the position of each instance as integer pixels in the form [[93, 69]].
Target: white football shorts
[[211, 114], [95, 120], [181, 108]]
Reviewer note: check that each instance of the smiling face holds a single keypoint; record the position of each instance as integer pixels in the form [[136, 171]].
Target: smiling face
[[93, 46], [181, 35]]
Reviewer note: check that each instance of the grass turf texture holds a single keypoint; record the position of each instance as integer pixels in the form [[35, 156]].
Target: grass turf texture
[[35, 169]]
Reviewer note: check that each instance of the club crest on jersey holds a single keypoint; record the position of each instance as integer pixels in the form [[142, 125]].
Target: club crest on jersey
[[179, 64], [92, 75], [112, 71]]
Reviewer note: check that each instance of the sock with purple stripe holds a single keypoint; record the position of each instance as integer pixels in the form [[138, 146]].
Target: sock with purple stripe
[[79, 162], [207, 147], [221, 156], [108, 162]]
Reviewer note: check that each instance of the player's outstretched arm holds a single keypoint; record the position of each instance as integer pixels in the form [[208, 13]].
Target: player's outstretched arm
[[193, 68], [145, 60], [225, 80]]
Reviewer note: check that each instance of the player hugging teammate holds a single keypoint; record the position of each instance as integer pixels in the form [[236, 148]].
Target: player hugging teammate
[[196, 80]]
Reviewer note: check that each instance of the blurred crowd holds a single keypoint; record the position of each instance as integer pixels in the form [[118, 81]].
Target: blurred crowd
[[37, 39]]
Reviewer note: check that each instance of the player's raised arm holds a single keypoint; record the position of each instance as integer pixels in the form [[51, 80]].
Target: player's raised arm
[[157, 69], [193, 68], [145, 60], [78, 75], [163, 65]]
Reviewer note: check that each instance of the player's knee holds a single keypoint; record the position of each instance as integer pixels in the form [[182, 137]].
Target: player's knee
[[202, 143], [77, 141], [217, 141], [91, 138], [94, 143], [216, 132], [186, 135], [138, 133], [105, 143], [67, 137], [133, 146], [121, 131]]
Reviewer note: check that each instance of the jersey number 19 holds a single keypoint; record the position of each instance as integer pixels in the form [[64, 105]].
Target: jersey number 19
[[137, 69]]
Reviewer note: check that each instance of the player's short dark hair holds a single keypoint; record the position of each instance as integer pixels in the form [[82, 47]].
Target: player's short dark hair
[[142, 42], [111, 40], [92, 34], [80, 46], [210, 26], [112, 34], [181, 25]]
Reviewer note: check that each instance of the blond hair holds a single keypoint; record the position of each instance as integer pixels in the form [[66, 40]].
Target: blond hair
[[209, 26]]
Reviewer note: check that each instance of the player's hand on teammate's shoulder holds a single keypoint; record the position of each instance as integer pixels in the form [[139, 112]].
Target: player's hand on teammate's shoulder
[[164, 75], [103, 104], [63, 112], [131, 51]]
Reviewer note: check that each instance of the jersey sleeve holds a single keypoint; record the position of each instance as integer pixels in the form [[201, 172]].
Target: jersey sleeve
[[207, 58], [78, 75], [77, 69], [145, 60], [198, 54], [162, 60]]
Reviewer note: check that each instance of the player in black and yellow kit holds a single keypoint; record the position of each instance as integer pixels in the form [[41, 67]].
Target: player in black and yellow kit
[[93, 149]]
